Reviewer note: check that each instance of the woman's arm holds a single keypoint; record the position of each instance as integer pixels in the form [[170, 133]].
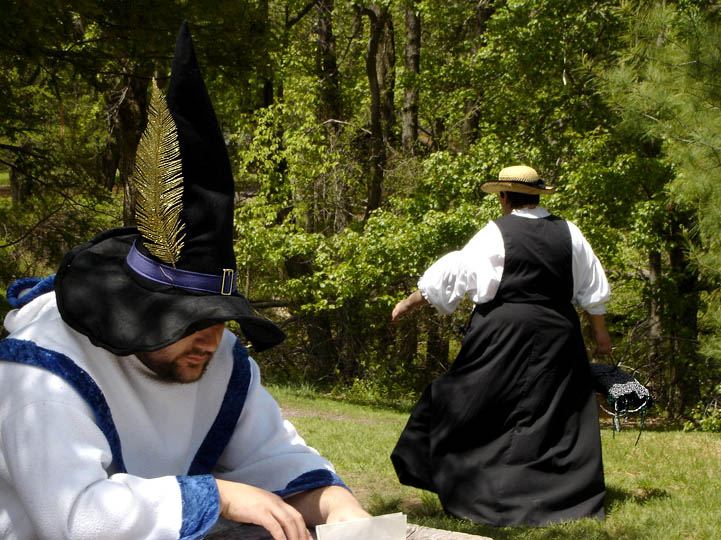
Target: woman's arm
[[408, 305], [600, 334]]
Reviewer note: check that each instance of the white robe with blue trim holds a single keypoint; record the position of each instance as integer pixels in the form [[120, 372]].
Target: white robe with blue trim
[[58, 477]]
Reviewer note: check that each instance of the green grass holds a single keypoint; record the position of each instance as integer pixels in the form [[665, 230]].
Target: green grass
[[4, 178], [667, 487]]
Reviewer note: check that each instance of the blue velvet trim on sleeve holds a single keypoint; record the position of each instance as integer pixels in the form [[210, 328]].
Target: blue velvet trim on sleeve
[[201, 505], [32, 287], [27, 352], [311, 480], [223, 427]]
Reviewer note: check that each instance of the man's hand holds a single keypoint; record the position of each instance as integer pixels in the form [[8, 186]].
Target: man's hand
[[249, 504]]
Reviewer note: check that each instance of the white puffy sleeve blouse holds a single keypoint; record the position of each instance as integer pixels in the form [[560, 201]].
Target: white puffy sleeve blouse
[[476, 270]]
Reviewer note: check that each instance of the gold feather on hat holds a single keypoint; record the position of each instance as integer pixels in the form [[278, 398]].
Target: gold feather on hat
[[158, 181]]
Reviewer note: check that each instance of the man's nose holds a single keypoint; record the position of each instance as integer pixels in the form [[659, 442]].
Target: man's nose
[[209, 337]]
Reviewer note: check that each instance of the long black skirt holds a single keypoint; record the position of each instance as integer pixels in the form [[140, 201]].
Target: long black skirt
[[510, 435]]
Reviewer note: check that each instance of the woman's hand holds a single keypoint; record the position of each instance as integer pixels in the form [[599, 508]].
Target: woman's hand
[[407, 305]]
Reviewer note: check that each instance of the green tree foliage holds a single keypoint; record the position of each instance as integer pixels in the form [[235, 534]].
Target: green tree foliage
[[360, 132], [73, 82], [666, 91], [50, 138]]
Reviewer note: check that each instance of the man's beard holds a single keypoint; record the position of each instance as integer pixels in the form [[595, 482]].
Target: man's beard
[[172, 373], [176, 371]]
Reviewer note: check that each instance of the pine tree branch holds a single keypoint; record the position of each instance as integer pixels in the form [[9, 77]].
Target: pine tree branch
[[31, 229]]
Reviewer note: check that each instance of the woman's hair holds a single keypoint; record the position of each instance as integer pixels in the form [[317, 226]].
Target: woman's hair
[[517, 200]]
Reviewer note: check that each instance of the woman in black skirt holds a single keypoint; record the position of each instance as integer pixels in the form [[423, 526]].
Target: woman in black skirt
[[510, 435]]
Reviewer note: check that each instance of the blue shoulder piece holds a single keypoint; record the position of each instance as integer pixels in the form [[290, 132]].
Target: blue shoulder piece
[[24, 290], [222, 429], [27, 352]]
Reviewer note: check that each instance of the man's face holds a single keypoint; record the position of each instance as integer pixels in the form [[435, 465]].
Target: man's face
[[186, 360]]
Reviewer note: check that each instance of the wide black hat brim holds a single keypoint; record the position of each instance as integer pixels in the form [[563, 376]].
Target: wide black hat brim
[[100, 297]]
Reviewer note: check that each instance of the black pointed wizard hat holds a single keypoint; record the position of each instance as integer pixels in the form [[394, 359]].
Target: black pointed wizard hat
[[121, 289]]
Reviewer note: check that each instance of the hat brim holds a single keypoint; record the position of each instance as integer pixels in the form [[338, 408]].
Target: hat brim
[[516, 187], [124, 313]]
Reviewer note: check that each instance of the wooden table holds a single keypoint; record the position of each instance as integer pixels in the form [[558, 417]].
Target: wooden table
[[234, 531]]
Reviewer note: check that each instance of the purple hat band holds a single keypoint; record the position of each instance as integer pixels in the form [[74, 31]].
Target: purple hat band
[[224, 284]]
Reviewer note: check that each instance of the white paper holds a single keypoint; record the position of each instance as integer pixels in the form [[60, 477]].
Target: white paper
[[386, 527]]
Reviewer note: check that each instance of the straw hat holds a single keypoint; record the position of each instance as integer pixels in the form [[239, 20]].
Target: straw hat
[[520, 179]]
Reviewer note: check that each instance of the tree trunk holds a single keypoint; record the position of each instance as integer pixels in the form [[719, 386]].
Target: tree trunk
[[378, 17], [655, 330], [471, 119], [412, 69], [683, 315], [321, 344], [128, 117], [337, 203], [318, 326], [327, 67], [386, 65], [21, 183], [437, 346], [110, 157], [407, 340]]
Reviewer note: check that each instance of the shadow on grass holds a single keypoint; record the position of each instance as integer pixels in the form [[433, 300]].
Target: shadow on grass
[[616, 497], [428, 512]]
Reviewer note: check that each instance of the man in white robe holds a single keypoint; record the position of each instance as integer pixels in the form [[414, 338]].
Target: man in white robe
[[127, 410]]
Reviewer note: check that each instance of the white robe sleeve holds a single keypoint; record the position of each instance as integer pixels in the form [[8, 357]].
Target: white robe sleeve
[[267, 452], [475, 270], [591, 291], [56, 458]]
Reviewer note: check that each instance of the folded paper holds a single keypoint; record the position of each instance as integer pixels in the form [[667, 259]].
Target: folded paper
[[386, 527]]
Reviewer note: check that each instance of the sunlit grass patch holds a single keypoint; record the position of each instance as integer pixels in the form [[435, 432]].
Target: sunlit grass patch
[[666, 487]]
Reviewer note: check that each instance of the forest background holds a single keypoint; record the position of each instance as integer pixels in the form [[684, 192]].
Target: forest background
[[360, 132]]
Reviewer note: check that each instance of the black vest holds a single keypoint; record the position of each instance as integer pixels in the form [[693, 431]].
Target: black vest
[[538, 267]]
